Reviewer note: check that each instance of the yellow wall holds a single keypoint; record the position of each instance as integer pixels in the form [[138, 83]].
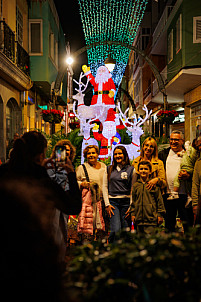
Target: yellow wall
[[191, 98]]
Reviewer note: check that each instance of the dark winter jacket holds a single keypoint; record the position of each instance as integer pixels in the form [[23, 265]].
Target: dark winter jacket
[[69, 202], [146, 205], [162, 155]]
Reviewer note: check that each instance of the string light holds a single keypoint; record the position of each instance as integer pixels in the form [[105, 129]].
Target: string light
[[110, 20]]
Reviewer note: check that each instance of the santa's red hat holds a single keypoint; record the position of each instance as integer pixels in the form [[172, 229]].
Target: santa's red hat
[[111, 115]]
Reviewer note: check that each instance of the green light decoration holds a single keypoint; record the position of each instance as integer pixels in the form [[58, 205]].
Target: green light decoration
[[110, 20]]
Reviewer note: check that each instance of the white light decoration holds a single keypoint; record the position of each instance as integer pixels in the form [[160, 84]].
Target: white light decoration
[[108, 137], [134, 127]]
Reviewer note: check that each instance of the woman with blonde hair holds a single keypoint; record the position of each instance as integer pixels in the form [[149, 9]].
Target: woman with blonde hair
[[149, 151]]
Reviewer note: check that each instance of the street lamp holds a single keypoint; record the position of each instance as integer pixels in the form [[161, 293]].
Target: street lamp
[[69, 60], [110, 63]]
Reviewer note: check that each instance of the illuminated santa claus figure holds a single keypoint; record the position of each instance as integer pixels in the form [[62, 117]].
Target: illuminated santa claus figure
[[109, 135], [104, 87]]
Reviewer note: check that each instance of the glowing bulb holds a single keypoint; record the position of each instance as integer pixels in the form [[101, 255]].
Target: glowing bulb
[[110, 66], [69, 60]]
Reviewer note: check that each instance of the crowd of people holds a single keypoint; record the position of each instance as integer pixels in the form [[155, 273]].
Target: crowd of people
[[39, 194]]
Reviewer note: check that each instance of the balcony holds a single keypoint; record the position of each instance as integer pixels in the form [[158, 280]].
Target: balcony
[[161, 24], [22, 59], [14, 66]]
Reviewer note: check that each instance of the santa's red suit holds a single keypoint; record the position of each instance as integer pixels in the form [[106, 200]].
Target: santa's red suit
[[102, 89], [105, 149], [107, 137]]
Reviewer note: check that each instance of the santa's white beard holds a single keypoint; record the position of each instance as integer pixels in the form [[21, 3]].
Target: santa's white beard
[[103, 77]]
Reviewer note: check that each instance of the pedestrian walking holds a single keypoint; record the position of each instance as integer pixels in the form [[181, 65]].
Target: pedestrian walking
[[196, 187], [31, 260], [149, 151], [147, 207], [175, 205], [58, 172], [91, 224], [117, 183], [28, 161]]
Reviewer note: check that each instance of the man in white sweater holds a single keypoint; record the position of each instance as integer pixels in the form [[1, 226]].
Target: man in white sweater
[[173, 203]]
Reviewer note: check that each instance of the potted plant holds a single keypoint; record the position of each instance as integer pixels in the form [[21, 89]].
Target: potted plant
[[166, 116], [52, 116]]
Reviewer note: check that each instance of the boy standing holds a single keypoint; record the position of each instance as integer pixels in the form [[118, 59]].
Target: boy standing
[[147, 208]]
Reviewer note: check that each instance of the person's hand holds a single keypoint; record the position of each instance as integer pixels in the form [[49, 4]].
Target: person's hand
[[160, 220], [68, 166], [47, 161], [152, 183], [85, 185], [183, 175], [85, 68], [109, 210], [195, 210], [111, 94]]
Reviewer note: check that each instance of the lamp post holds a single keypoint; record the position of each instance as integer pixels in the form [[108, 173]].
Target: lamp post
[[69, 61]]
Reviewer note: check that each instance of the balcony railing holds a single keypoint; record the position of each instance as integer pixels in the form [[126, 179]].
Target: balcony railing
[[22, 59], [12, 49], [7, 41], [161, 24], [147, 92]]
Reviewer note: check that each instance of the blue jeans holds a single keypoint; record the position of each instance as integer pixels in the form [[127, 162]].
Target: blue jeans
[[118, 221]]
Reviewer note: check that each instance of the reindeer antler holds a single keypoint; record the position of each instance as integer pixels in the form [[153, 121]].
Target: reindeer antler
[[80, 84], [141, 121], [123, 117]]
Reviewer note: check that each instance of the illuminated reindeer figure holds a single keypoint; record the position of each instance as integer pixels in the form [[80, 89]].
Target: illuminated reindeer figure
[[86, 127], [134, 127], [85, 112]]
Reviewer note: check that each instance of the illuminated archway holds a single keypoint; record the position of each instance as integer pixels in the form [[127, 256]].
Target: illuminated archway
[[159, 79]]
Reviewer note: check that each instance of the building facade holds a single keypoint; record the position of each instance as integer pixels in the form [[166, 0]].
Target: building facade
[[174, 45], [15, 78], [32, 51]]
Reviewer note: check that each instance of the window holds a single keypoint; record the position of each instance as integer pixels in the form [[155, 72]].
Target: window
[[197, 29], [56, 53], [51, 44], [19, 26], [35, 37], [53, 47], [170, 46], [145, 37], [179, 34]]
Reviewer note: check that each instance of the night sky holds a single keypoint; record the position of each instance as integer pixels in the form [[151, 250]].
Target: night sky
[[68, 11]]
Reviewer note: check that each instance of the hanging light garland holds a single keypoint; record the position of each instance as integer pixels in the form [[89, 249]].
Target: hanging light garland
[[110, 20]]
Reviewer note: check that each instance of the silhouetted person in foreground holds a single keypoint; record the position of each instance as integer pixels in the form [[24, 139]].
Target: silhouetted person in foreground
[[28, 161], [30, 259]]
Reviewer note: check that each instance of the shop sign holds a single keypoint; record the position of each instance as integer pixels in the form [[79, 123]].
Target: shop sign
[[43, 107]]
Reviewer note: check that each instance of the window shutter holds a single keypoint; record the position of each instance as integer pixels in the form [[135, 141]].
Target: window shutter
[[197, 29]]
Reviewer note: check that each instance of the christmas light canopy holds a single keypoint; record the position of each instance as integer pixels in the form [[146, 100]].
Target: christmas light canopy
[[110, 20]]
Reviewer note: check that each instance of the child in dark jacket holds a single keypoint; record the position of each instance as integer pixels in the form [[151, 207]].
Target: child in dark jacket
[[147, 208]]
